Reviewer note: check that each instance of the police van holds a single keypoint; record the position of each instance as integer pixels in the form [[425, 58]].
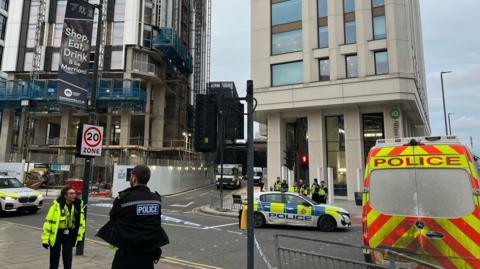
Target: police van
[[15, 197], [292, 209], [422, 197]]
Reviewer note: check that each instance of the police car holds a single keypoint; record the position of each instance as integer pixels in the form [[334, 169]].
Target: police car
[[292, 209], [15, 197]]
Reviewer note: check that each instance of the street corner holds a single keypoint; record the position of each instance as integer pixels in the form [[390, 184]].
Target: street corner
[[215, 212]]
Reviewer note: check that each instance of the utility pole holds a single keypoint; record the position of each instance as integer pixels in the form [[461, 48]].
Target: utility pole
[[92, 119], [450, 123], [250, 222], [443, 98]]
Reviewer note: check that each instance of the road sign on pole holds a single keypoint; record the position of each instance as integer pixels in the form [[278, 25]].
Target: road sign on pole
[[90, 143]]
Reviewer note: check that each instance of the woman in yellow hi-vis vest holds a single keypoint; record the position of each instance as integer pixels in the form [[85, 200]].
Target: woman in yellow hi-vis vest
[[64, 227]]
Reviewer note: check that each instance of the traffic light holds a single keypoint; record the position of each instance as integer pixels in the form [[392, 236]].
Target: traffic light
[[304, 160], [205, 123], [289, 158]]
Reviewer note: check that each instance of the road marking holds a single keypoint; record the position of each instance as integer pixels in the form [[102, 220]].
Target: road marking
[[187, 205], [193, 263], [264, 257], [223, 225], [205, 193], [190, 191]]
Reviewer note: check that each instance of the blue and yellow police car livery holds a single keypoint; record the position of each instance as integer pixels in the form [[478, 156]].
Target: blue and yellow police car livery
[[292, 209]]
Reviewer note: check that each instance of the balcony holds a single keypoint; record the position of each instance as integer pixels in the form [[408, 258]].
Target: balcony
[[111, 93], [166, 41]]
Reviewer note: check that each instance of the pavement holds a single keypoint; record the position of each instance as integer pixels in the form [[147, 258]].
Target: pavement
[[18, 239]]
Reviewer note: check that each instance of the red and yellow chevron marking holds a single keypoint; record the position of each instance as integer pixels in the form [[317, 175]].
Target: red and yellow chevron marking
[[460, 247]]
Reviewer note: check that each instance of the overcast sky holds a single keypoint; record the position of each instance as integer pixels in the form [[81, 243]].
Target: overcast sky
[[451, 42]]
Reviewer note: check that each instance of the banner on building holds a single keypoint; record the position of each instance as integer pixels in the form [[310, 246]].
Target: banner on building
[[72, 86]]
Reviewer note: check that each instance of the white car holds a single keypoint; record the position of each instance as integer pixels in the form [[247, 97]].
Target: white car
[[15, 197], [286, 208]]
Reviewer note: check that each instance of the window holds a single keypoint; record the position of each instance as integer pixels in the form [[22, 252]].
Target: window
[[55, 61], [381, 62], [147, 36], [287, 73], [116, 60], [348, 6], [418, 192], [148, 14], [324, 69], [322, 7], [57, 35], [350, 32], [322, 24], [286, 42], [392, 191], [323, 36], [286, 12], [372, 130], [271, 198], [119, 13], [379, 31], [352, 66], [3, 26], [378, 19], [292, 199], [1, 57], [4, 5], [378, 3], [117, 34], [286, 27], [335, 130], [28, 63], [61, 8]]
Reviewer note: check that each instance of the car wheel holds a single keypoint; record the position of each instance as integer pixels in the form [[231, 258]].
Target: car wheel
[[259, 220], [327, 223], [33, 210]]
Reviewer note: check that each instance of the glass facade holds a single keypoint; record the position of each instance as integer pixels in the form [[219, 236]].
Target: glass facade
[[352, 66], [379, 27], [381, 62], [335, 133], [286, 12], [287, 73], [117, 34], [373, 129], [350, 32], [324, 69], [286, 42], [323, 37]]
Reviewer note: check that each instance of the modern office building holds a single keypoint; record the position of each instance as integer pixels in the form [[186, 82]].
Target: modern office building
[[154, 59], [333, 76]]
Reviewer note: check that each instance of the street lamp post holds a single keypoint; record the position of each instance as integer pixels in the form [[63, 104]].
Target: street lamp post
[[443, 98], [450, 123]]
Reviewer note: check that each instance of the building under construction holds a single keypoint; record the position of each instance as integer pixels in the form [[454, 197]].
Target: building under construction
[[155, 56]]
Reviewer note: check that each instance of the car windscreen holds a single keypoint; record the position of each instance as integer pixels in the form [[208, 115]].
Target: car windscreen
[[10, 183], [438, 193]]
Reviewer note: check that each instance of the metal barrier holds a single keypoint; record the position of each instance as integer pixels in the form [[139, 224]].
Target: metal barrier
[[288, 257], [229, 203]]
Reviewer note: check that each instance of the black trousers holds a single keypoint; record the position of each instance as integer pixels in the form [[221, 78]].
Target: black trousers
[[64, 243], [126, 260]]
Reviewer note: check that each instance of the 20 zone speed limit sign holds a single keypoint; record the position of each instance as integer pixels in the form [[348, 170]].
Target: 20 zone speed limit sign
[[92, 137]]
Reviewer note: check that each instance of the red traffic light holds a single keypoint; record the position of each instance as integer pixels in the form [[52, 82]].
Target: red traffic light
[[304, 160]]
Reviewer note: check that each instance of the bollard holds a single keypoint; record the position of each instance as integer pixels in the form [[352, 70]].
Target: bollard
[[243, 219], [330, 186]]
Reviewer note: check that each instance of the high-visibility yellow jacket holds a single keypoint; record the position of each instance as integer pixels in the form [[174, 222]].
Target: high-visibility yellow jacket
[[56, 216]]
